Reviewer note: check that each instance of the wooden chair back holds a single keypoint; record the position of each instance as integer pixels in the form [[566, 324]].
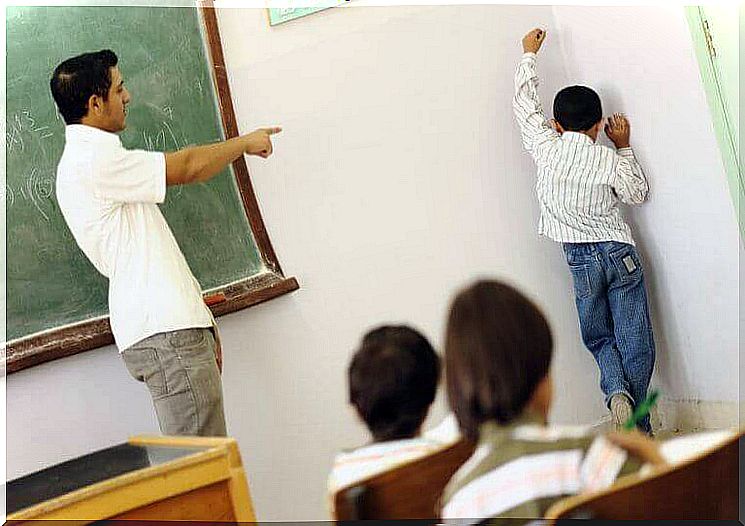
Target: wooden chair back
[[410, 491], [704, 488]]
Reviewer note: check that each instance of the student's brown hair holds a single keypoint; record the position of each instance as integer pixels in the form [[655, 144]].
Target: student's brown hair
[[393, 380], [498, 348]]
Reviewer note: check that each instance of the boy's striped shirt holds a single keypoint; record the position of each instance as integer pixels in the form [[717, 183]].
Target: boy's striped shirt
[[580, 183]]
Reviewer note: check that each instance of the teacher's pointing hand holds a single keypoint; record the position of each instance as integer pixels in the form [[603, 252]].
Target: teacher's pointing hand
[[258, 142]]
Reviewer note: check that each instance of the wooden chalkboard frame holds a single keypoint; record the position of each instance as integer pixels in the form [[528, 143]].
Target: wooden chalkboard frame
[[91, 334]]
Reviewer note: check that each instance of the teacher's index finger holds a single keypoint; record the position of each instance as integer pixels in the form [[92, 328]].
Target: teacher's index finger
[[273, 130]]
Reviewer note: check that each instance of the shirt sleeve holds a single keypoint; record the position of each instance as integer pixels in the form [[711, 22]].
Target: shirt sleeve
[[630, 182], [536, 133], [601, 465], [131, 176]]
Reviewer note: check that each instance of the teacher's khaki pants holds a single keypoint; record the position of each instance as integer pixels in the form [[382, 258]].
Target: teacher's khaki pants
[[180, 370]]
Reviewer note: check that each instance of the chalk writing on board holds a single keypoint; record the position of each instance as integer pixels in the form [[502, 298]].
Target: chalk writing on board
[[7, 195], [37, 188], [22, 128]]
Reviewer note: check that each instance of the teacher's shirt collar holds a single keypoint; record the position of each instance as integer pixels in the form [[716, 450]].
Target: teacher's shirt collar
[[83, 131]]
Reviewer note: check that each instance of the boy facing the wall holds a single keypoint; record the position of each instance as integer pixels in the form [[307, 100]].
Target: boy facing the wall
[[580, 185]]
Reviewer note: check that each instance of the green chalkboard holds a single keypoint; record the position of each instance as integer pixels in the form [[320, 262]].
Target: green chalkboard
[[165, 63]]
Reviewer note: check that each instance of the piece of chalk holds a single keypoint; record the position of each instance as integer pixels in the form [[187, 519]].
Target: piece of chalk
[[214, 299]]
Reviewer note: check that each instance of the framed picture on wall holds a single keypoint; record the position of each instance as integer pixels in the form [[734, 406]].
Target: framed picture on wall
[[280, 15]]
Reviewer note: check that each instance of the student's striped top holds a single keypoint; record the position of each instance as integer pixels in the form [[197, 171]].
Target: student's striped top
[[580, 183], [353, 466], [350, 467], [518, 471]]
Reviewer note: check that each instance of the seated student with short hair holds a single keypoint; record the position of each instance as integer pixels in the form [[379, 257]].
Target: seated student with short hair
[[393, 379], [497, 358]]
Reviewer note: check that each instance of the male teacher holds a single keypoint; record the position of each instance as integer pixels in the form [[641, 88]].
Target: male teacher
[[108, 195]]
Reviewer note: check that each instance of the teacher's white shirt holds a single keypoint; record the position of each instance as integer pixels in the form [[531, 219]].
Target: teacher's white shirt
[[108, 196]]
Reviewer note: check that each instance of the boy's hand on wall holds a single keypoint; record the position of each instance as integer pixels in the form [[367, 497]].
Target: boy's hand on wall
[[533, 40], [618, 130]]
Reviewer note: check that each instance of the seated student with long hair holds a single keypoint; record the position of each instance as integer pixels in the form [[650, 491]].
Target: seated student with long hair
[[498, 353], [393, 380]]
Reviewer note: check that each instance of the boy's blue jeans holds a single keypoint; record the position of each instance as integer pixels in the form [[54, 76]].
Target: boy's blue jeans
[[613, 316]]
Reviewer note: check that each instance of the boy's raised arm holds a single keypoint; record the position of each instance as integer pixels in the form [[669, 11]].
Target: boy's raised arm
[[535, 131]]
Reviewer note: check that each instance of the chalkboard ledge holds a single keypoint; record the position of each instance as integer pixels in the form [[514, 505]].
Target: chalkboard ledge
[[257, 289], [90, 334]]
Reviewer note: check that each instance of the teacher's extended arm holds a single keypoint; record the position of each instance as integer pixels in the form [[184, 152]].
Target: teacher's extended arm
[[197, 164]]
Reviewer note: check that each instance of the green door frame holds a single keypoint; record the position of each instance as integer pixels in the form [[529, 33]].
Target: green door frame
[[711, 79]]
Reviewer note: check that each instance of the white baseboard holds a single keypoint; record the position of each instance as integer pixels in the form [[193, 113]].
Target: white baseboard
[[686, 416]]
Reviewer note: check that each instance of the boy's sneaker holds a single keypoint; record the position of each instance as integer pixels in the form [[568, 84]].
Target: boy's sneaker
[[620, 410]]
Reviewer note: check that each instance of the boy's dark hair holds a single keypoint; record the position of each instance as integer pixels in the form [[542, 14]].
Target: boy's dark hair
[[497, 350], [77, 79], [393, 379], [577, 108]]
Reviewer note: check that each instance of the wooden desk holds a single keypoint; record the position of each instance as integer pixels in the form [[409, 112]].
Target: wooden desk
[[146, 478]]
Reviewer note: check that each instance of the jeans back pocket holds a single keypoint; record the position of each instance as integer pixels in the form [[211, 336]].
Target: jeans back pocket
[[187, 338], [145, 366], [627, 264]]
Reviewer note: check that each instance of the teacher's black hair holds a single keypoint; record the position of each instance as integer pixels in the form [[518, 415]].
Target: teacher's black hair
[[77, 79]]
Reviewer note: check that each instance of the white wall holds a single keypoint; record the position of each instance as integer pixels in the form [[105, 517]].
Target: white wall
[[400, 177], [641, 61]]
